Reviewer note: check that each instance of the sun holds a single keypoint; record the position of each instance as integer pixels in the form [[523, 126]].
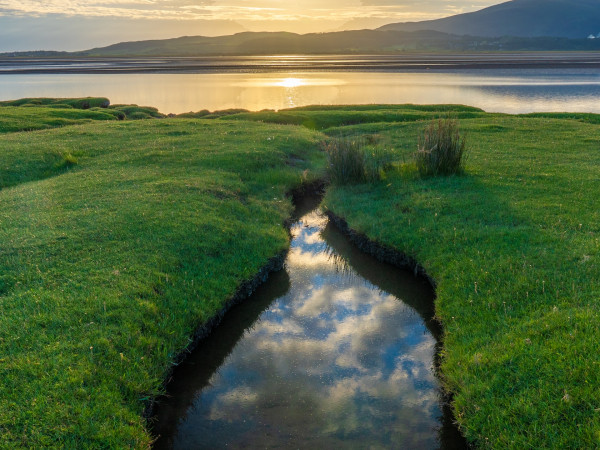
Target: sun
[[291, 82]]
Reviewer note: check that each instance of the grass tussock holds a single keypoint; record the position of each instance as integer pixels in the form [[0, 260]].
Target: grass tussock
[[357, 160], [441, 148], [67, 160]]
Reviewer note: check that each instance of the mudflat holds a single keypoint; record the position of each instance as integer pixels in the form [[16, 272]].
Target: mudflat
[[280, 63]]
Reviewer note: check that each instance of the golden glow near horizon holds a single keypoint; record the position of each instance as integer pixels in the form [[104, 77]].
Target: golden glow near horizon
[[247, 12], [291, 82], [84, 24]]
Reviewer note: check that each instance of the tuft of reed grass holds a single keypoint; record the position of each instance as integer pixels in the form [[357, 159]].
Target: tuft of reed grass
[[441, 148], [355, 160]]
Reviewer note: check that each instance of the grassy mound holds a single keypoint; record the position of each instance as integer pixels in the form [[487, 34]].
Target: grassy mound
[[324, 117], [76, 103], [14, 118], [514, 246], [135, 112], [42, 113], [107, 266]]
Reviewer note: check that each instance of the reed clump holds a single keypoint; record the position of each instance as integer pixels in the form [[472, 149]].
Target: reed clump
[[441, 148], [356, 160]]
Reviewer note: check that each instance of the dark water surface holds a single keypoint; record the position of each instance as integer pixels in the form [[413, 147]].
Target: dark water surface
[[337, 350]]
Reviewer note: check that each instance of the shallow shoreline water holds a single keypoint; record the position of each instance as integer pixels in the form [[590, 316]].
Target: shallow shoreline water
[[513, 91]]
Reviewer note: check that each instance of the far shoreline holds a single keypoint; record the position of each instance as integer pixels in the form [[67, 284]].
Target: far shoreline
[[411, 62]]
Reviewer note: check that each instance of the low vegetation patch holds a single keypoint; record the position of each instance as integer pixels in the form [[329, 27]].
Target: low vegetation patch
[[14, 119], [206, 114], [326, 117], [76, 103], [43, 113], [135, 112]]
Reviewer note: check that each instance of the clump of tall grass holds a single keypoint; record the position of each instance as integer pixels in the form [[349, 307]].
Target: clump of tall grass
[[355, 160], [441, 149], [66, 161]]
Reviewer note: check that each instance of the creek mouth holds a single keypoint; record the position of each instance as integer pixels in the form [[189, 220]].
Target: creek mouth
[[337, 350]]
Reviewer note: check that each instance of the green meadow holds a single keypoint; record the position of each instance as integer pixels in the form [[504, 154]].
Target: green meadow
[[119, 237]]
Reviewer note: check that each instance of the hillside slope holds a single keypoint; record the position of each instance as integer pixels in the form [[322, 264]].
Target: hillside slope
[[524, 18], [344, 42]]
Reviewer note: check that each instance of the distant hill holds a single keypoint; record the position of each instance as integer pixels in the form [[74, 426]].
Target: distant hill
[[343, 42], [269, 43], [522, 18]]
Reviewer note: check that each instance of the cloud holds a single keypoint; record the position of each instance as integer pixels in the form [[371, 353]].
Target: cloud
[[301, 16], [259, 10], [56, 31]]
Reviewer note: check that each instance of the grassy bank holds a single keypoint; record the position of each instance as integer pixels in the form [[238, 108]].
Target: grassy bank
[[30, 114], [119, 237], [513, 246], [110, 260]]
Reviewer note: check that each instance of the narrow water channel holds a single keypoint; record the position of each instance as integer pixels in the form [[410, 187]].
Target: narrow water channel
[[335, 351]]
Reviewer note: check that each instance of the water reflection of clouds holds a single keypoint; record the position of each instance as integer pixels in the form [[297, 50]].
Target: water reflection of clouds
[[334, 359]]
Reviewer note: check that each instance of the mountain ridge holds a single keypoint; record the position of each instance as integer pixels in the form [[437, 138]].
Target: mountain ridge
[[519, 18], [516, 25]]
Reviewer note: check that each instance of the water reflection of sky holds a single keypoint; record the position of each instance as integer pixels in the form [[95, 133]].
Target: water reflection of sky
[[333, 362]]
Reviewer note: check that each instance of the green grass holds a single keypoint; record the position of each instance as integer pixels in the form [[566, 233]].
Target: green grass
[[324, 117], [135, 112], [29, 114], [206, 114], [77, 103], [14, 118], [514, 248], [108, 264], [117, 238]]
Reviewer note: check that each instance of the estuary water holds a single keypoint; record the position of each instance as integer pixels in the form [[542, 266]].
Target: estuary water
[[268, 83], [335, 351]]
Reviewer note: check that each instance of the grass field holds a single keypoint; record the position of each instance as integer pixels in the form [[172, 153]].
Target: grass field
[[513, 246], [30, 114], [108, 264], [117, 238]]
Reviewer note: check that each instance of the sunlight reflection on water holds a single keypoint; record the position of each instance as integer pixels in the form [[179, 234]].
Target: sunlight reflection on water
[[510, 91]]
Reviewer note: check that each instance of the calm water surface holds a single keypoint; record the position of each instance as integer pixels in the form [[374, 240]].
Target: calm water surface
[[505, 90], [335, 351]]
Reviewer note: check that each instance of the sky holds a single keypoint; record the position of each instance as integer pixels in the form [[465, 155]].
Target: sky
[[83, 24]]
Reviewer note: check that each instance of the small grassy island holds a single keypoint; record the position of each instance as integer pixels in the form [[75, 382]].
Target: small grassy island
[[119, 237]]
